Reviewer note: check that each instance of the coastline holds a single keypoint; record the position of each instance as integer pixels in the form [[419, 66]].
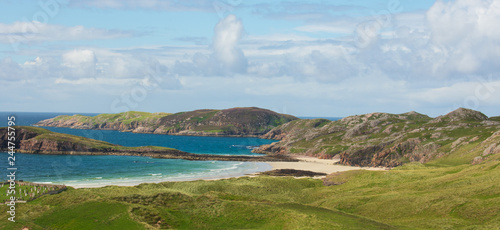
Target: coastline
[[304, 163], [256, 167]]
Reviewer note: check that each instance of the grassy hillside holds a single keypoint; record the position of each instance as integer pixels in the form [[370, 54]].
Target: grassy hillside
[[448, 193], [125, 117], [229, 122]]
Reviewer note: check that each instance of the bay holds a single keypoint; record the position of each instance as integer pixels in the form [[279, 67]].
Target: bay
[[91, 171]]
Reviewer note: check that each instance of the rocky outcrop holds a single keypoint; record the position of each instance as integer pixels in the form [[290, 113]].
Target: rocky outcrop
[[461, 114], [229, 122], [382, 139], [41, 141]]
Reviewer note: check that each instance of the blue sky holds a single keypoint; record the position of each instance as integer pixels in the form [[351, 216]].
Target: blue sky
[[306, 58]]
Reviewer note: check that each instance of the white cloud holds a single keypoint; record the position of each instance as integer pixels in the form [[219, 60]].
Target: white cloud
[[30, 32], [227, 34], [467, 30], [225, 57], [91, 67], [420, 60], [81, 63], [11, 70]]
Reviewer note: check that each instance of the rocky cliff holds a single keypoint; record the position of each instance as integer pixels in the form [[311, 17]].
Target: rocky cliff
[[41, 141], [382, 139], [229, 122]]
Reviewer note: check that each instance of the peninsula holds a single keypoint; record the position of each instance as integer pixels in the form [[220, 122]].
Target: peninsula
[[240, 122]]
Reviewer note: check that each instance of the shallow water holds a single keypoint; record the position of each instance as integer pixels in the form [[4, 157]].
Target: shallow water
[[125, 170]]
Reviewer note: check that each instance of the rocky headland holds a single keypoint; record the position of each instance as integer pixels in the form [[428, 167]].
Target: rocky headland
[[241, 122], [387, 140]]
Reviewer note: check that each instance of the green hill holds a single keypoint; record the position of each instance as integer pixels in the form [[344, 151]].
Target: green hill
[[229, 122]]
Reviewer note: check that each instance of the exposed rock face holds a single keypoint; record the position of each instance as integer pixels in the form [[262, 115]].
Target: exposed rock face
[[229, 122], [41, 141], [382, 139]]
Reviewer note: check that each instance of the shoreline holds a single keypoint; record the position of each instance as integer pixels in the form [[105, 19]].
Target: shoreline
[[305, 163], [129, 182], [313, 164]]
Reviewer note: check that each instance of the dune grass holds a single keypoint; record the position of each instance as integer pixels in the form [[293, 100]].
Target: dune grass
[[414, 196]]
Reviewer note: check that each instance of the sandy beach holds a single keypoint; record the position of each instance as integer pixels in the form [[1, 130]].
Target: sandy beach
[[305, 163], [318, 165]]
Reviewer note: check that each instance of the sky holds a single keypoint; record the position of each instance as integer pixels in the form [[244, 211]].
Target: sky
[[305, 58]]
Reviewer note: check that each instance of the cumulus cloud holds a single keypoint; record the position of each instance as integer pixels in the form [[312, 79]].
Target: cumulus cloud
[[92, 66], [466, 31], [453, 40], [227, 34], [225, 56]]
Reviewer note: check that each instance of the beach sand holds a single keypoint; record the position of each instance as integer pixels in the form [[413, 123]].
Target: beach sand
[[318, 165], [305, 163]]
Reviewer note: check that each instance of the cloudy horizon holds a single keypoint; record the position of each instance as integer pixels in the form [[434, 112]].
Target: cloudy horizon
[[318, 59]]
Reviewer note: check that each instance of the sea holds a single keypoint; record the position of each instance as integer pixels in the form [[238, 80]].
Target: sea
[[97, 171]]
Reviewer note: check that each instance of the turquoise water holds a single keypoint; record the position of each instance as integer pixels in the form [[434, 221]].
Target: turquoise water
[[124, 170], [91, 171]]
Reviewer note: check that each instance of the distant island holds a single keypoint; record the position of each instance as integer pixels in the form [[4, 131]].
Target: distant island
[[36, 140], [241, 122]]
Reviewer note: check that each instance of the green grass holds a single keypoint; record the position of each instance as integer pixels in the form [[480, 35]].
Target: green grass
[[264, 203], [89, 215], [413, 196], [125, 117], [447, 193]]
